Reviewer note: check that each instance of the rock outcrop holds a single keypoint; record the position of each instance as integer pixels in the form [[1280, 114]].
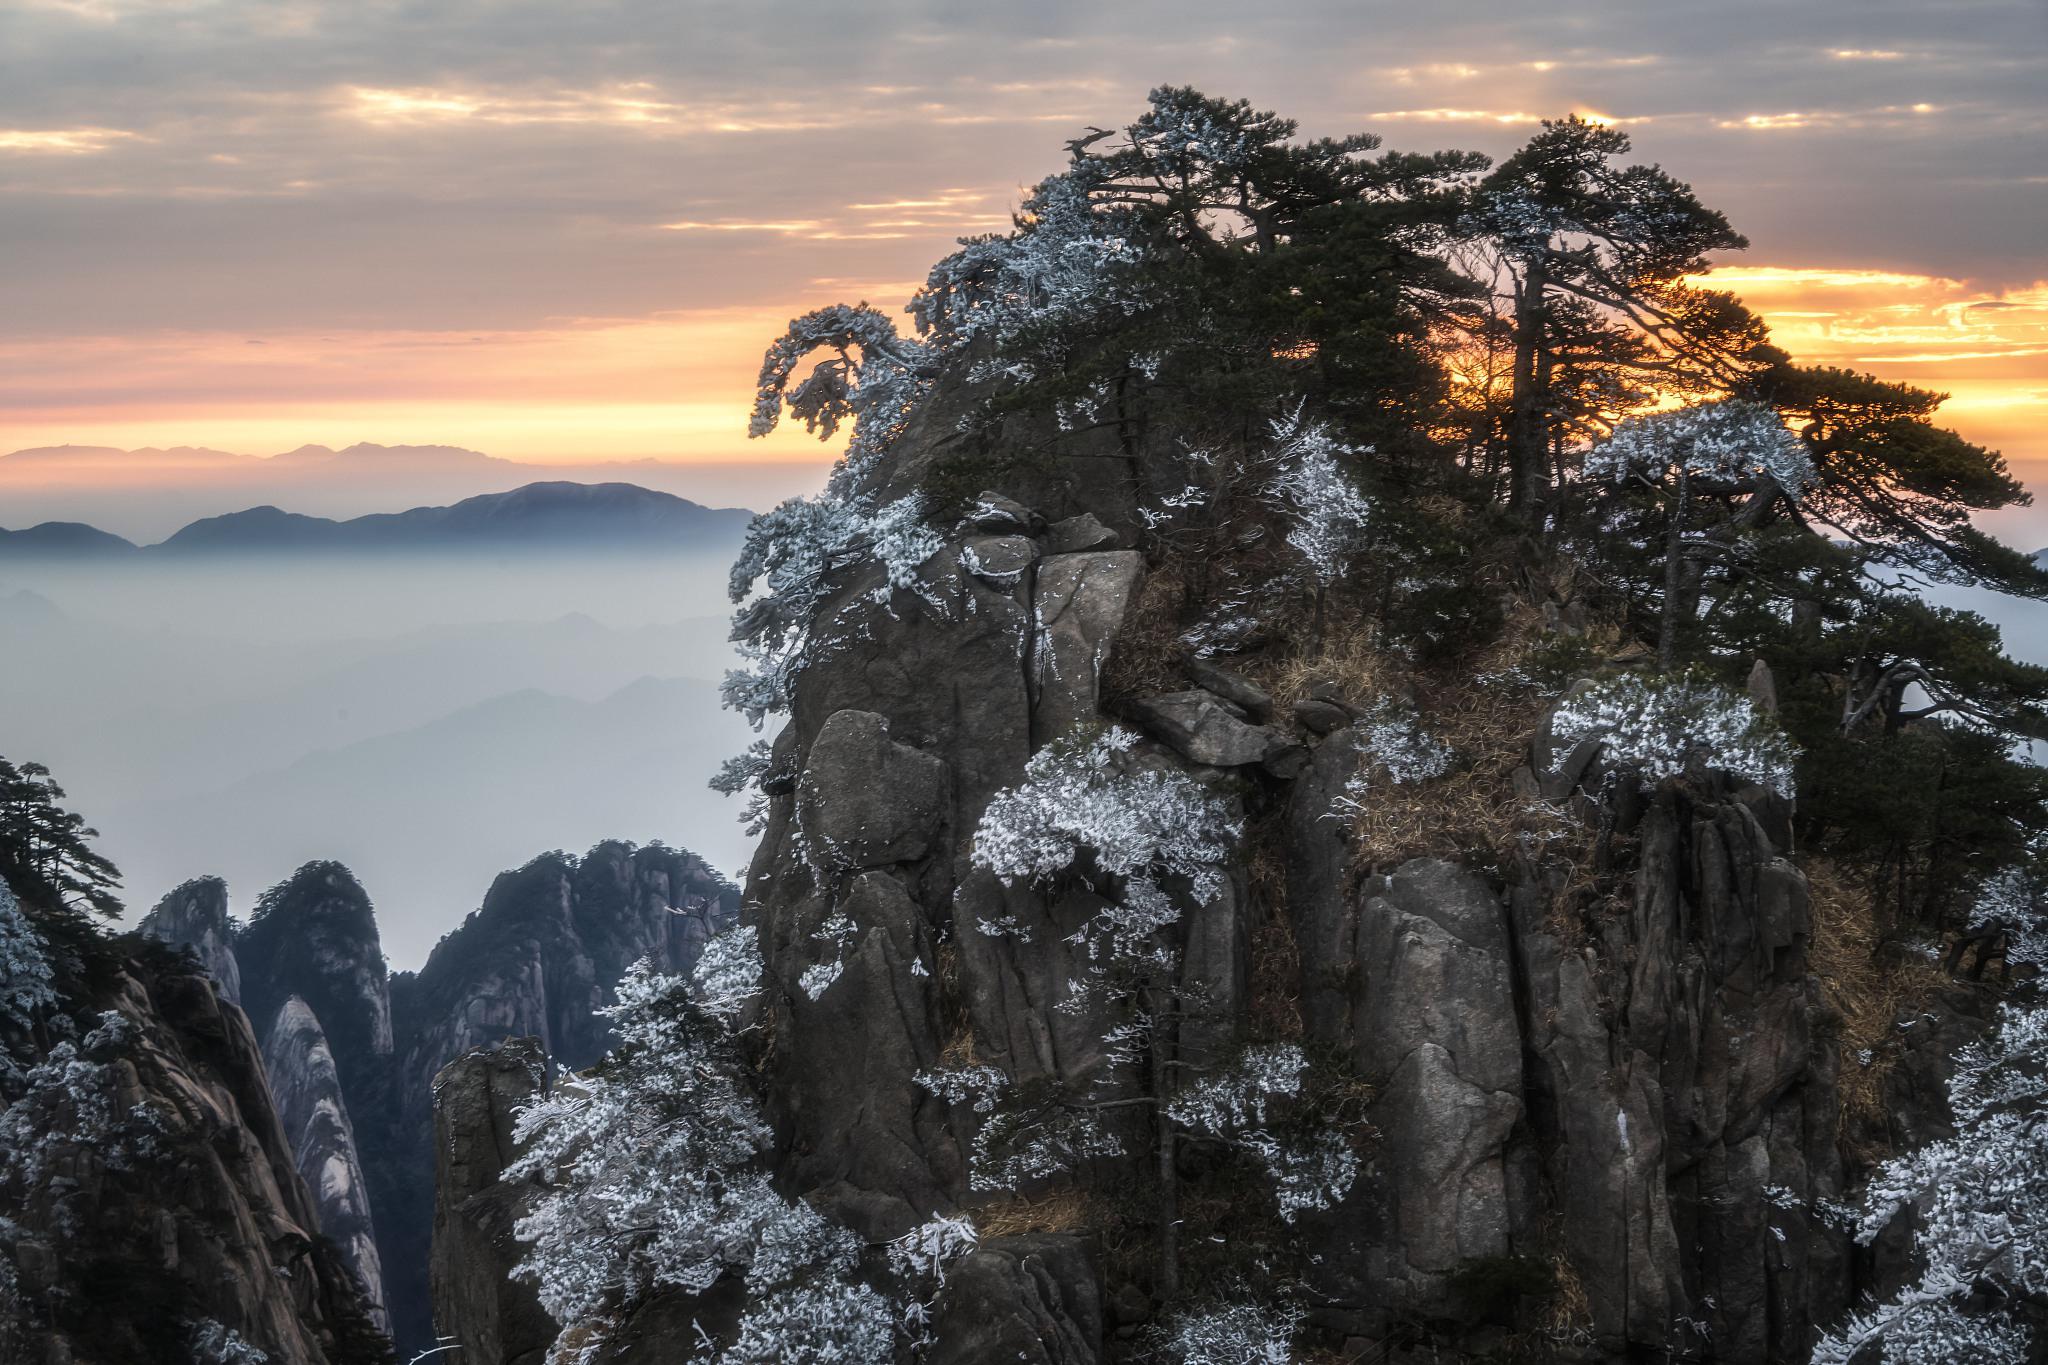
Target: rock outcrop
[[495, 1319], [320, 996], [1628, 1116], [195, 915], [307, 1089], [353, 1051], [159, 1209]]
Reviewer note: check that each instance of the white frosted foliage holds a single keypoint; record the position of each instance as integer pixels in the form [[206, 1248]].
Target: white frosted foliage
[[1083, 796], [1728, 441], [651, 1177], [1241, 1333], [25, 978], [1661, 726], [1329, 515], [1980, 1205]]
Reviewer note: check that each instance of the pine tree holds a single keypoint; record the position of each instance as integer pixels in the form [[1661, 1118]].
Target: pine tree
[[44, 850]]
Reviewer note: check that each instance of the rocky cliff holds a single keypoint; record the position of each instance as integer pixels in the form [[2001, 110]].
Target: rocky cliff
[[152, 1212], [1628, 1117], [495, 1319], [1591, 1090], [352, 1051], [307, 1087], [195, 915]]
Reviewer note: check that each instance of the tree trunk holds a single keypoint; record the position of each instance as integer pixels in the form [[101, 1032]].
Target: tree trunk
[[1168, 1288], [1528, 442], [1674, 573]]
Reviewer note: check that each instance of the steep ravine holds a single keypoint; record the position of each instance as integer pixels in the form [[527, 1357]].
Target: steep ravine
[[352, 1051], [153, 1213]]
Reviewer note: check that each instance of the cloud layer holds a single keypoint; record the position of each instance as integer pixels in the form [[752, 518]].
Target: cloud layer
[[444, 214]]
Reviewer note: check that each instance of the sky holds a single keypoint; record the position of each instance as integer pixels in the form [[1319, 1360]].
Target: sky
[[566, 231]]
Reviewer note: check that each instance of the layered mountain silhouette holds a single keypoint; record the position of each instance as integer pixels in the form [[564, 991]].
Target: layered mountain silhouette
[[556, 514], [63, 540], [147, 494]]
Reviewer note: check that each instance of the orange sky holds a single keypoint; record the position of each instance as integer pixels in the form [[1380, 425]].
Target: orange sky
[[679, 385]]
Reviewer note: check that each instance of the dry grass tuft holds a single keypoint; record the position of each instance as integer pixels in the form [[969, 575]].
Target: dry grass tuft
[[1488, 717], [1148, 655], [1063, 1210], [1568, 1319], [1868, 989], [1351, 658]]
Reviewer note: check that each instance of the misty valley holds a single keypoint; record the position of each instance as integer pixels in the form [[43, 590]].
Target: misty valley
[[427, 715]]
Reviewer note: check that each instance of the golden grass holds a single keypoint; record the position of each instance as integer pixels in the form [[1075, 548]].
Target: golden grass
[[1867, 990], [1488, 722], [1063, 1210], [1568, 1318]]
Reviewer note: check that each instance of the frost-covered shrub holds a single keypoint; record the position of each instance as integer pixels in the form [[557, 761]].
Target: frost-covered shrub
[[1236, 1096], [25, 977], [2005, 903], [1728, 441], [1078, 796], [832, 1322], [743, 773], [1063, 261], [650, 1177], [214, 1344], [798, 554], [874, 379], [928, 1249], [1394, 739], [1245, 1332], [1232, 1104], [1980, 1201], [1035, 1133], [1660, 726], [73, 1092], [1328, 515]]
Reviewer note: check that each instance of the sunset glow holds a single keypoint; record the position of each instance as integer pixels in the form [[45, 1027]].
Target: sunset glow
[[555, 252]]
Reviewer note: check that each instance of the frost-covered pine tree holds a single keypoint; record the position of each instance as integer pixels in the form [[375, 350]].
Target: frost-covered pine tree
[[652, 1178], [25, 977], [795, 556], [1729, 451], [1661, 727], [1153, 842], [1979, 1208]]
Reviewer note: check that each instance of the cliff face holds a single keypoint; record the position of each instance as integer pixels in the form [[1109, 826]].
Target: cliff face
[[1612, 1135], [497, 1320], [545, 951], [352, 1052], [195, 916], [154, 1213], [310, 1104], [315, 937]]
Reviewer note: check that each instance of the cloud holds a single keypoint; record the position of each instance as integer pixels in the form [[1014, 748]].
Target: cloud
[[1984, 346], [292, 169], [60, 141]]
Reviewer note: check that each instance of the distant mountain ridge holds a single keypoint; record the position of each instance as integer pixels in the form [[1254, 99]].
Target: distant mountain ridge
[[147, 494], [553, 514], [63, 540]]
